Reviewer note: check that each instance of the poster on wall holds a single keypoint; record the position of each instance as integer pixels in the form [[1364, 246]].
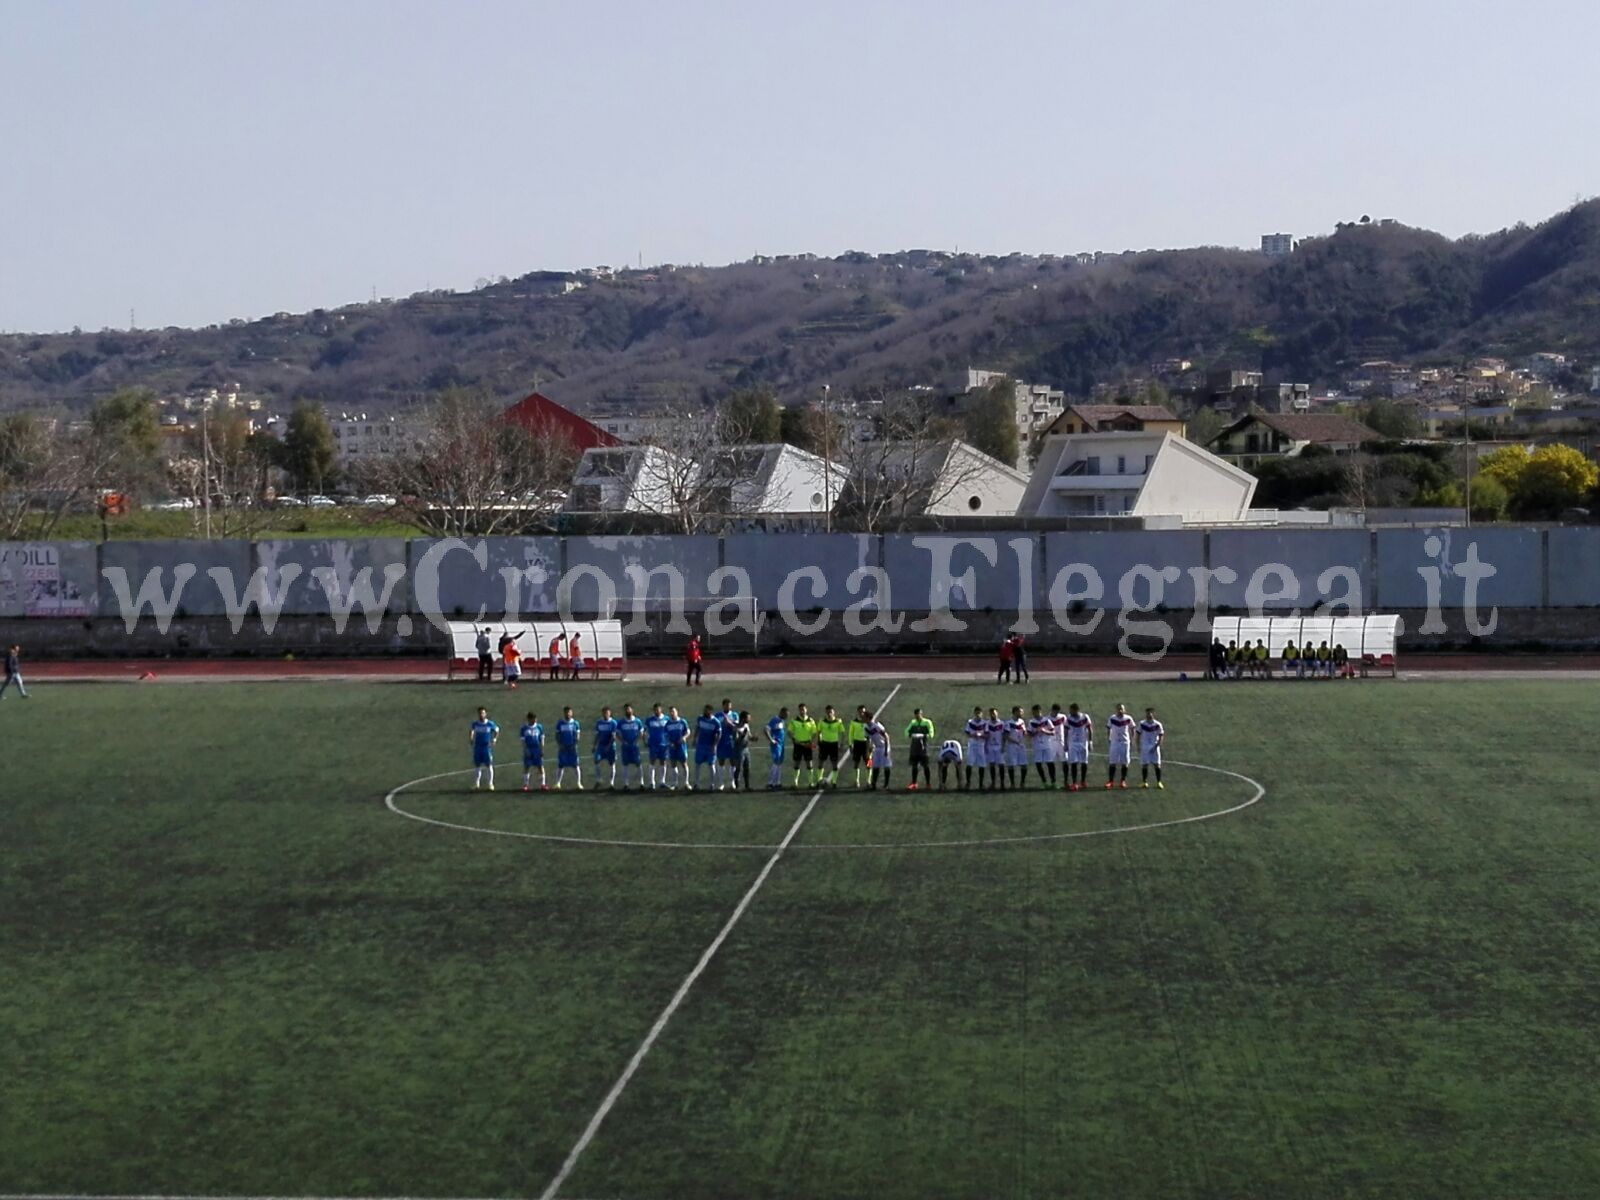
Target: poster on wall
[[35, 581]]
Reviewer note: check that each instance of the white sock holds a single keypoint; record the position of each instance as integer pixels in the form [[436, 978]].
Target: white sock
[[491, 776]]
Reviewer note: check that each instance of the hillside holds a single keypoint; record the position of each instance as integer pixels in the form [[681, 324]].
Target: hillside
[[857, 320]]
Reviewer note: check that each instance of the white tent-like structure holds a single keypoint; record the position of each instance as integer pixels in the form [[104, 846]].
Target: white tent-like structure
[[1370, 640]]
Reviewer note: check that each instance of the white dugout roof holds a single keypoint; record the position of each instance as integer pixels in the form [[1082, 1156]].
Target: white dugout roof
[[1362, 637]]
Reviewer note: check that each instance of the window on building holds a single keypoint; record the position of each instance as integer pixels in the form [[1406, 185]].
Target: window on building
[[1149, 461], [1092, 465], [1122, 464], [974, 503]]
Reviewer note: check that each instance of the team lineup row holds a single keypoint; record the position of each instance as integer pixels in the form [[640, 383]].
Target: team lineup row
[[653, 752]]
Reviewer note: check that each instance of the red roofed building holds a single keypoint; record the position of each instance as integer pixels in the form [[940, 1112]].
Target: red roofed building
[[544, 416]]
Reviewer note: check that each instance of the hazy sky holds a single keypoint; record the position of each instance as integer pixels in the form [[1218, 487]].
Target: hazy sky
[[195, 161]]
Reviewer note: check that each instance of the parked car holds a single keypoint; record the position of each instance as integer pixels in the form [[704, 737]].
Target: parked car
[[289, 502], [321, 502], [181, 504], [377, 500]]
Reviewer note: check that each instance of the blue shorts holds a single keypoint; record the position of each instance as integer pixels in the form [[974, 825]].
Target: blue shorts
[[705, 754], [630, 755], [726, 754], [658, 754], [605, 754], [567, 757], [678, 753], [482, 756], [777, 755], [529, 761]]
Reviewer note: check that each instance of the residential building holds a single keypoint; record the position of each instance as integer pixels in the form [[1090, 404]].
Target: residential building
[[1277, 245], [625, 479], [1037, 405], [943, 479], [1120, 418], [1260, 436], [1136, 474], [359, 437]]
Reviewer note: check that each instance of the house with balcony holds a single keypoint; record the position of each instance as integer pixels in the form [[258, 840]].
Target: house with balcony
[[1260, 436], [1118, 418], [1134, 474]]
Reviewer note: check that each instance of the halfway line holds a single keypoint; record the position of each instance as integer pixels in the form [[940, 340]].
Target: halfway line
[[623, 1080]]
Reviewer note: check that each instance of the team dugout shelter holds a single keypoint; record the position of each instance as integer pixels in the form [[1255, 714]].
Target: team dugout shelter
[[601, 643], [1369, 640]]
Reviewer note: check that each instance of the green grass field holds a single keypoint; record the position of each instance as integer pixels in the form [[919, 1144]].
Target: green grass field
[[227, 969]]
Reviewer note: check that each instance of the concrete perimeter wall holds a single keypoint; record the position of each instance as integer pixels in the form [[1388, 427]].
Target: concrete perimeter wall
[[941, 590]]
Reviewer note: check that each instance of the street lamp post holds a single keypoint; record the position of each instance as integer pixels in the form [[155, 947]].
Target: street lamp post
[[827, 462]]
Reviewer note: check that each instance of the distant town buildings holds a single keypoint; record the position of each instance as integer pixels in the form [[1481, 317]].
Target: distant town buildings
[[1134, 474], [1277, 245], [1253, 439]]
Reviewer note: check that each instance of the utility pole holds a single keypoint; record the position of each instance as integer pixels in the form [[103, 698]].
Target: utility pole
[[827, 462], [1472, 461], [205, 463]]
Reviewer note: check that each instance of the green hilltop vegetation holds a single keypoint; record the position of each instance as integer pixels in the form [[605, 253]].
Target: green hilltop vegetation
[[1367, 290]]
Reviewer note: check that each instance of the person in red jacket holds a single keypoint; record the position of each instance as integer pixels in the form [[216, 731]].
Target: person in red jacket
[[1007, 649], [692, 656], [1019, 659]]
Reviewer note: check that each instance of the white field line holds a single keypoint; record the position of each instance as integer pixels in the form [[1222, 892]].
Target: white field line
[[1260, 793], [626, 1077], [131, 1196]]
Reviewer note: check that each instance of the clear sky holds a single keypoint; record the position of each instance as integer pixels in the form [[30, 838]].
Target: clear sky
[[196, 160]]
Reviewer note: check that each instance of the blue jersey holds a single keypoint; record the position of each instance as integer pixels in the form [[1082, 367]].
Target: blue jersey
[[567, 730], [483, 733], [778, 731], [677, 729], [605, 729], [532, 738], [707, 730], [629, 729], [655, 732], [730, 723]]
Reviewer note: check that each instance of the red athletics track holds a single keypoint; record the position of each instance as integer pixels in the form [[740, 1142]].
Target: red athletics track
[[971, 665]]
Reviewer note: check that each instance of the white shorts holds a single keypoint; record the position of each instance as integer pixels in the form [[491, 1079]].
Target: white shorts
[[1078, 752], [577, 664], [1016, 755], [1120, 754], [1151, 757], [512, 672], [1044, 751], [975, 754]]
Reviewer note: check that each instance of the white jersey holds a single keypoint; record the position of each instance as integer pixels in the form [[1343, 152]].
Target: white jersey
[[1080, 730], [994, 736], [1042, 737], [950, 751], [1016, 742], [977, 738], [1150, 735], [878, 735], [1120, 726]]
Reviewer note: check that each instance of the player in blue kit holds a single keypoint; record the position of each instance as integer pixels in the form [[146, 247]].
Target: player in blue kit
[[708, 729], [605, 749], [677, 750], [567, 733], [777, 739], [629, 730], [655, 736], [532, 735], [484, 732]]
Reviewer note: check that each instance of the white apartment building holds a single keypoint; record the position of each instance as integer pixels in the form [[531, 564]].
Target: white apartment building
[[1038, 405], [360, 437], [1277, 245], [1136, 475]]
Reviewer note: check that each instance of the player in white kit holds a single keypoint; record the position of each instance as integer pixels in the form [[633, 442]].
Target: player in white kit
[[1151, 734], [994, 740], [977, 731], [1120, 726], [1080, 740], [1016, 743], [1042, 742], [950, 756], [878, 736]]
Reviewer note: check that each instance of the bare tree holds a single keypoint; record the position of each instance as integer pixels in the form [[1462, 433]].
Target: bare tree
[[227, 467], [913, 463], [41, 476], [464, 470], [698, 468], [1360, 479]]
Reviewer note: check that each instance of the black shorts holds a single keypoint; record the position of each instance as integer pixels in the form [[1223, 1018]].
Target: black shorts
[[919, 755], [828, 752], [860, 751], [802, 754]]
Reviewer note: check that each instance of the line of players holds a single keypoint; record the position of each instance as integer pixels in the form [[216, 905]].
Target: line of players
[[653, 752]]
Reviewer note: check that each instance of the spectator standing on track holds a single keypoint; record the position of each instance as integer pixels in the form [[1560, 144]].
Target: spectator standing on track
[[1019, 658], [485, 659], [13, 672], [555, 658], [692, 656], [575, 656], [511, 658], [1218, 662], [1007, 651]]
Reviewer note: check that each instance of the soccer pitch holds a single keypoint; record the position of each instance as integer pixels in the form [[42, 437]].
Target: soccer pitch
[[228, 968]]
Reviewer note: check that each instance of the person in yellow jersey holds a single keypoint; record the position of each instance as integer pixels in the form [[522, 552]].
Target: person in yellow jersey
[[803, 730], [830, 732], [1325, 660], [1263, 660], [860, 748], [1291, 659]]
